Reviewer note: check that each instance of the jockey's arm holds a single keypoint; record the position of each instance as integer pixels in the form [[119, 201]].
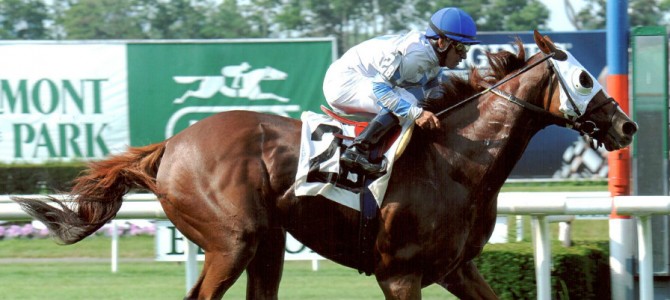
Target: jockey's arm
[[387, 96], [392, 100], [432, 88], [411, 70]]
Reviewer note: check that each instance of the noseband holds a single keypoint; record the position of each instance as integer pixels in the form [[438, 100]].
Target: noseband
[[578, 123]]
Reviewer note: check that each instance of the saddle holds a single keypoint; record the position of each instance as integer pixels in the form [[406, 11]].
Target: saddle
[[359, 123]]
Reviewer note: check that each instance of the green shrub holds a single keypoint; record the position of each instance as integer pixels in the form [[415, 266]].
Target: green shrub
[[38, 179], [581, 271]]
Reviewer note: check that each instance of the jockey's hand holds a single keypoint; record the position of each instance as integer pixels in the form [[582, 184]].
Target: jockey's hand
[[428, 120]]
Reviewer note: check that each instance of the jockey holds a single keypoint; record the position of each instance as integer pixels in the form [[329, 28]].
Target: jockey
[[373, 77]]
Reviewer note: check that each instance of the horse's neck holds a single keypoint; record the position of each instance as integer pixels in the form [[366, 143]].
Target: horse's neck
[[490, 146]]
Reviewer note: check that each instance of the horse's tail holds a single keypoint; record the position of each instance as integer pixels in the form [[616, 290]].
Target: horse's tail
[[97, 194]]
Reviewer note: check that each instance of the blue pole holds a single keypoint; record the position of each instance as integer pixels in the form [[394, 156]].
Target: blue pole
[[622, 228], [617, 37]]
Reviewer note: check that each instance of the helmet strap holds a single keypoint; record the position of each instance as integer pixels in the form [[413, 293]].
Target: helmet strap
[[441, 53], [436, 45]]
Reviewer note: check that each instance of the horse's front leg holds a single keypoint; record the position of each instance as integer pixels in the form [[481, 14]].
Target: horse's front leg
[[265, 270], [397, 271], [466, 283], [400, 286]]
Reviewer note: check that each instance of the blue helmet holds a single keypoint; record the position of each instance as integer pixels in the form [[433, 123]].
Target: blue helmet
[[453, 23]]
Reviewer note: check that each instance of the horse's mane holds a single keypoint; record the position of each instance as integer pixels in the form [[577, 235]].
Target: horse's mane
[[458, 88]]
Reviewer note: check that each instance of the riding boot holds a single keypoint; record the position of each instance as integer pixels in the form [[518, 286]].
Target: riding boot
[[357, 156]]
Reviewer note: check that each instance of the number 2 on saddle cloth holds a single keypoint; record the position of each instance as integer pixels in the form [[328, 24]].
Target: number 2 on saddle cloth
[[346, 179]]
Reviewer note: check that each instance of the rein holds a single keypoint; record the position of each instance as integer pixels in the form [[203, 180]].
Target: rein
[[499, 83], [586, 127], [553, 119]]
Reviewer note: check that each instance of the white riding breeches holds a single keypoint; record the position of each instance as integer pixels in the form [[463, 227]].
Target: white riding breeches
[[350, 92]]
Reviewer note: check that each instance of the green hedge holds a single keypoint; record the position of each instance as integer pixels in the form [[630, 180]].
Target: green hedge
[[578, 272], [38, 179]]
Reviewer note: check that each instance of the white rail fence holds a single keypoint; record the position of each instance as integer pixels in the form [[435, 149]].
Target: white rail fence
[[537, 205]]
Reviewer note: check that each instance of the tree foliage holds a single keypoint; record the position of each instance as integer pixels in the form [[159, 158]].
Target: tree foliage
[[640, 13], [174, 19], [23, 19], [102, 19], [513, 15], [227, 21], [350, 21]]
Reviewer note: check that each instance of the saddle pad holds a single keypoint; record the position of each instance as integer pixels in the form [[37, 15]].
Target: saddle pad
[[320, 152]]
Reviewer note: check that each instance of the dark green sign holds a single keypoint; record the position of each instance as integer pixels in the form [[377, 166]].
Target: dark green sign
[[173, 85]]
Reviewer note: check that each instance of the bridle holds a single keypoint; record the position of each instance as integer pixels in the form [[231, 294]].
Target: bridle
[[578, 123]]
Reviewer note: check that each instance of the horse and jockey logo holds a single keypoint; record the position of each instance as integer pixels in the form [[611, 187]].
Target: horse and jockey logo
[[245, 83]]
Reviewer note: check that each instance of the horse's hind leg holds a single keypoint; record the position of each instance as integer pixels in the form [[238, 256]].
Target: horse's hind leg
[[221, 269], [230, 234], [262, 260], [264, 271]]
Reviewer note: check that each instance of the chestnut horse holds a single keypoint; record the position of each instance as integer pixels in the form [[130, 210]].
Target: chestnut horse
[[227, 182]]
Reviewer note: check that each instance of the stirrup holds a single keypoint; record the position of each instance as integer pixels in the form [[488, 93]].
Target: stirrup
[[358, 163]]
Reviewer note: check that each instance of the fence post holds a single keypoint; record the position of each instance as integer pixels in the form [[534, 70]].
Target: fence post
[[645, 257], [542, 251], [191, 265], [115, 246]]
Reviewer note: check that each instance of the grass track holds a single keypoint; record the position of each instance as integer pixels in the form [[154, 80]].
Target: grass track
[[81, 271], [144, 279], [154, 280]]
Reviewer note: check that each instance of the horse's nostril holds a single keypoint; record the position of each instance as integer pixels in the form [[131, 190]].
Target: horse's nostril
[[629, 128]]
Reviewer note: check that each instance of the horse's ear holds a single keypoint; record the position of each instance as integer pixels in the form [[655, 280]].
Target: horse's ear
[[547, 46], [541, 43]]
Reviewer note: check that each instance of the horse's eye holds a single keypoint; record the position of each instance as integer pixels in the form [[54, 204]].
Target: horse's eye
[[585, 80], [582, 82]]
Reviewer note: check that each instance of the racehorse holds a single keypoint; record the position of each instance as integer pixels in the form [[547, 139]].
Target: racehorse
[[226, 182]]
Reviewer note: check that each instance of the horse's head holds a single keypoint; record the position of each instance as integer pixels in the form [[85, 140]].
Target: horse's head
[[552, 86], [575, 95]]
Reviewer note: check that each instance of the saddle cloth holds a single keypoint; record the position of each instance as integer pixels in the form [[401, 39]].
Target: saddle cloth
[[319, 162]]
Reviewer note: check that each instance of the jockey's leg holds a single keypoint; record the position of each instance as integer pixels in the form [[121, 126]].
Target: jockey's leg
[[357, 156]]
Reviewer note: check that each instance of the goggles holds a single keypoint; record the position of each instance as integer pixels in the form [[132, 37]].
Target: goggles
[[461, 49]]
